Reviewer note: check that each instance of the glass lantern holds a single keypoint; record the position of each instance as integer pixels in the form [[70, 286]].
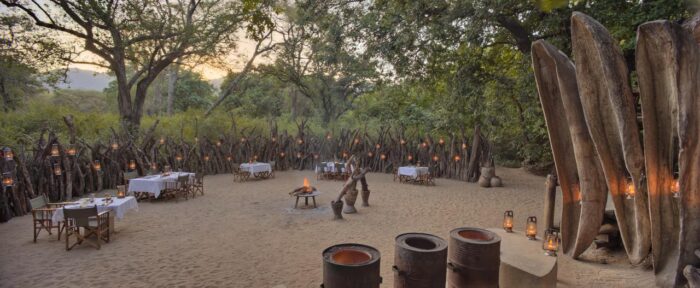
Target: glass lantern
[[54, 150], [132, 165], [8, 154], [282, 154], [121, 191], [508, 221], [378, 146], [457, 158], [161, 141], [441, 141], [409, 158], [57, 169], [206, 158], [115, 146], [383, 157], [7, 180], [370, 154], [531, 228], [550, 245], [403, 142], [97, 165], [71, 151]]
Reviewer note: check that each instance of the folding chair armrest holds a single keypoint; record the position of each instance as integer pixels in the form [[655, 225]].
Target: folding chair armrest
[[103, 213]]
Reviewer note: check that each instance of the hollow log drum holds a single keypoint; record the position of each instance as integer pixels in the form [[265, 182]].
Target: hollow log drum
[[473, 258], [351, 266], [420, 261]]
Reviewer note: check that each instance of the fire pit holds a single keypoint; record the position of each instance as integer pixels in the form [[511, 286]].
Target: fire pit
[[351, 266], [307, 191]]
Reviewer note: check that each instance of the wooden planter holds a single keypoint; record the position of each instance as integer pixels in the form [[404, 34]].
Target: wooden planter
[[420, 261], [351, 266], [473, 258]]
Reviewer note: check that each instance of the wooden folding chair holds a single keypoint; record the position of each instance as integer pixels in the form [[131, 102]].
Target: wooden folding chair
[[93, 224], [42, 212], [183, 186], [198, 184]]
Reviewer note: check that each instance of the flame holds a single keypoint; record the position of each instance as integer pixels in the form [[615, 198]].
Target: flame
[[307, 186]]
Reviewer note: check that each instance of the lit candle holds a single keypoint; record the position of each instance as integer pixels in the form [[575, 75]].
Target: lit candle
[[7, 179], [96, 164], [508, 221], [531, 228], [630, 191]]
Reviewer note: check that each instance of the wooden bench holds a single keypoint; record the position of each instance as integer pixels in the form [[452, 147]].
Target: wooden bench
[[523, 262]]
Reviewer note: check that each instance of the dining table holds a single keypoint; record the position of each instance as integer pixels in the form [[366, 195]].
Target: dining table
[[117, 207], [154, 184]]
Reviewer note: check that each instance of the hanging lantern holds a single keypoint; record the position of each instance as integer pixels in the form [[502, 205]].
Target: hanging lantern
[[508, 221], [178, 157], [403, 142], [54, 150], [206, 157], [630, 191], [7, 180], [154, 166], [531, 228], [409, 157], [243, 140], [282, 154], [196, 139], [115, 146], [97, 165], [300, 141], [370, 154], [255, 157], [161, 141], [457, 158], [71, 151], [436, 158], [424, 144], [676, 188], [378, 146], [316, 156], [357, 141], [229, 158], [345, 155], [383, 157], [441, 141], [328, 136], [121, 191], [464, 146], [8, 154], [218, 143], [273, 139], [132, 165], [551, 242], [57, 169], [298, 154]]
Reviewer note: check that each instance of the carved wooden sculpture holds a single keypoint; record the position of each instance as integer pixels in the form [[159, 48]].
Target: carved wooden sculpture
[[668, 66]]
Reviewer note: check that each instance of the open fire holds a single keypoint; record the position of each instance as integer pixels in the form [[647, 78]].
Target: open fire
[[307, 188]]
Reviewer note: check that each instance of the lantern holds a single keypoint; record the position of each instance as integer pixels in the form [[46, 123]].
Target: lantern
[[54, 150], [357, 141], [316, 156], [378, 146], [7, 153], [436, 158], [218, 143], [531, 228], [345, 155], [508, 221], [243, 140], [273, 139], [403, 142], [298, 154], [630, 191], [255, 157], [161, 141], [196, 139], [409, 157], [57, 169], [424, 144], [370, 154], [551, 242], [154, 166], [115, 146], [7, 180], [328, 136], [441, 141], [96, 164], [132, 165], [282, 154], [71, 151], [383, 157], [178, 157], [464, 146], [457, 158], [229, 158], [206, 157], [676, 188], [121, 191], [300, 141]]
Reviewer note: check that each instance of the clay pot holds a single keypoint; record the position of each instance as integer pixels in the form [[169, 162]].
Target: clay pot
[[350, 198], [337, 207], [484, 182], [496, 181], [365, 198]]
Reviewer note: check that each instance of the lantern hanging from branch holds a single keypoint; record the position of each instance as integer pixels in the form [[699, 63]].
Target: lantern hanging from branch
[[8, 154], [132, 165], [161, 141], [7, 180], [409, 157], [273, 139], [96, 164], [508, 221], [57, 169], [457, 158], [229, 158], [550, 245], [300, 141], [441, 141], [298, 154], [531, 228], [206, 158], [382, 156], [357, 141], [424, 144], [178, 157], [154, 166], [316, 156], [328, 136], [282, 154], [631, 189], [115, 146], [71, 151], [243, 140], [436, 158], [218, 143], [370, 154], [464, 146], [54, 150], [403, 142], [378, 146]]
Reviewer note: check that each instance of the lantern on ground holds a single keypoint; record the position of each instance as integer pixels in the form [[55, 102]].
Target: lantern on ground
[[531, 228], [370, 154], [441, 141], [54, 150], [630, 189], [457, 158], [7, 180], [115, 146], [676, 188], [383, 157], [71, 151], [57, 169], [508, 221], [121, 191], [97, 165], [551, 242], [132, 165], [8, 154]]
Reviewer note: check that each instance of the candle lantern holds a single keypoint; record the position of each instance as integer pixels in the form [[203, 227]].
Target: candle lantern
[[54, 150], [357, 141], [273, 139], [218, 143], [300, 141], [121, 191], [282, 154], [71, 151], [370, 154], [409, 157], [229, 158], [464, 146], [328, 136], [132, 165], [8, 154], [243, 140], [255, 157], [457, 158], [441, 141], [7, 180], [97, 165], [508, 221], [424, 144], [403, 142], [531, 228], [436, 158], [206, 157], [298, 154], [383, 157], [178, 157], [316, 156], [630, 191], [161, 141], [378, 146], [676, 188], [115, 146], [57, 169], [550, 245]]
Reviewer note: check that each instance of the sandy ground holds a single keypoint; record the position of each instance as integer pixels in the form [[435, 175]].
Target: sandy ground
[[248, 235]]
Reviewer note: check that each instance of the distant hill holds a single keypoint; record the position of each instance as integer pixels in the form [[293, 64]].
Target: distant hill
[[80, 79]]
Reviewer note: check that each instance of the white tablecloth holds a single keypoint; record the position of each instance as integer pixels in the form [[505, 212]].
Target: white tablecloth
[[118, 207], [330, 167], [153, 184], [413, 171], [256, 167]]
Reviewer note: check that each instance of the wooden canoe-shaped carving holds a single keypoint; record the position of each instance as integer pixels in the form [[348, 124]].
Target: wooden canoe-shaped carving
[[581, 180], [608, 105]]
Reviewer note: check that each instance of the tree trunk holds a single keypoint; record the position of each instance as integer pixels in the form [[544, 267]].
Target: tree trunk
[[172, 80]]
